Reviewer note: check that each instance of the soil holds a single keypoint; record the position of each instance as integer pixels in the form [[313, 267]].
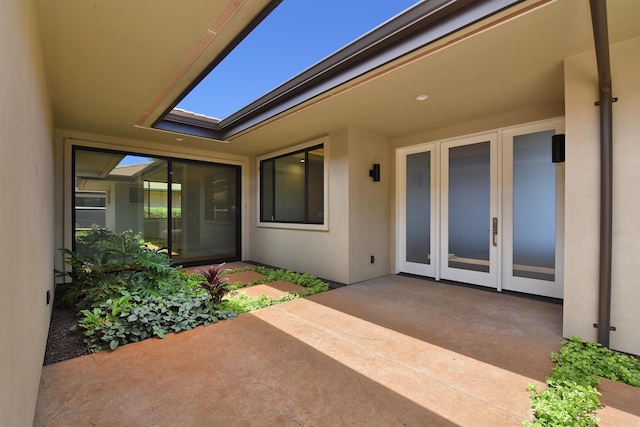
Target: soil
[[63, 344]]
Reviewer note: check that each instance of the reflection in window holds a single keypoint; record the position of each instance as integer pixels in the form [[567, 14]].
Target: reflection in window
[[292, 187], [220, 199], [168, 202], [155, 200]]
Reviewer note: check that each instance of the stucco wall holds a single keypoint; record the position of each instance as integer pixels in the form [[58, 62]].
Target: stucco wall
[[369, 206], [26, 211], [582, 197], [359, 212], [321, 253]]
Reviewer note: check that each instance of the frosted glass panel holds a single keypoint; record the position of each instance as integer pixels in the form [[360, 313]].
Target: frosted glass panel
[[418, 208], [469, 206], [534, 207]]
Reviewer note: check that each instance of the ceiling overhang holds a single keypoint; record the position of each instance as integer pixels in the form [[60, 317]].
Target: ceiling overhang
[[420, 26]]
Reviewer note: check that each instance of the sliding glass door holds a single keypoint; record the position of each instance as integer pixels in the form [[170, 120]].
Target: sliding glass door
[[208, 226], [185, 207]]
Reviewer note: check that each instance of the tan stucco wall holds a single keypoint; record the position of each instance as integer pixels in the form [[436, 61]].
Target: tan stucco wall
[[321, 253], [369, 206], [582, 197], [26, 211], [358, 217]]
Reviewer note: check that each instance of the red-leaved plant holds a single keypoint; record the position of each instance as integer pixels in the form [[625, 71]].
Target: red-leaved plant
[[214, 284]]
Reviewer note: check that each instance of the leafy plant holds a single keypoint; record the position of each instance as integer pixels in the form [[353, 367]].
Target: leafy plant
[[564, 403], [585, 362], [243, 303], [240, 302], [571, 397], [312, 283], [107, 263], [128, 292], [135, 317], [214, 284]]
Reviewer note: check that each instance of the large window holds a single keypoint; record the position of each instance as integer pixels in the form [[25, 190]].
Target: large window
[[184, 207], [292, 187]]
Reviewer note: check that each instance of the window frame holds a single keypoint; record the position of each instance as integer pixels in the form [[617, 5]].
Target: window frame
[[308, 146]]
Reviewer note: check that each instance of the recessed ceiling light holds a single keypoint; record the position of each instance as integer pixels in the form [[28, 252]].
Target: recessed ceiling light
[[422, 97]]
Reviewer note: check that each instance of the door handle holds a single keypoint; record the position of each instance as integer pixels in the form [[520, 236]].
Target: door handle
[[494, 231]]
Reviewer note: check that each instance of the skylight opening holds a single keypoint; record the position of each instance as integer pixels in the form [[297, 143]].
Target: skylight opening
[[294, 37]]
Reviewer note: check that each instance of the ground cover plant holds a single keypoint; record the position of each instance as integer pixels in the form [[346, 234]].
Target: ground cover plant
[[240, 302], [571, 396], [127, 292]]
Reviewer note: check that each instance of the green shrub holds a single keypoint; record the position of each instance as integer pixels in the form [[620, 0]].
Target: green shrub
[[127, 292], [107, 263], [160, 212], [135, 317]]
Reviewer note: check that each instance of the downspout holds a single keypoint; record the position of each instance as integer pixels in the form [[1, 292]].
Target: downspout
[[600, 33]]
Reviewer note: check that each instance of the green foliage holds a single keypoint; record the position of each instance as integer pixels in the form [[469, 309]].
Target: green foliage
[[240, 302], [159, 212], [127, 292], [585, 362], [564, 403], [312, 284], [135, 317], [571, 397], [107, 263]]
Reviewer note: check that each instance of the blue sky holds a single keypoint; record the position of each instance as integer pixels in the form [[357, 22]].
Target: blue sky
[[296, 35]]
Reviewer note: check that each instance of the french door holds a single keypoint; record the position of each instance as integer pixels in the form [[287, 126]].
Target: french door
[[485, 210], [469, 211], [533, 213]]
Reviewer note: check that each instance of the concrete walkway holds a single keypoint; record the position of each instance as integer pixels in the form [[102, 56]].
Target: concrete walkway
[[385, 352]]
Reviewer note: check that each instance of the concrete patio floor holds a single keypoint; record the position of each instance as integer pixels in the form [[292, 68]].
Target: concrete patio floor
[[390, 351]]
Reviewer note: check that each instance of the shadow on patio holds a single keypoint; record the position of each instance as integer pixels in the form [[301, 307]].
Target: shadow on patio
[[389, 351]]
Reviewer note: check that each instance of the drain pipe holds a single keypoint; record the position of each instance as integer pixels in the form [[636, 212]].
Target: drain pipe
[[600, 33]]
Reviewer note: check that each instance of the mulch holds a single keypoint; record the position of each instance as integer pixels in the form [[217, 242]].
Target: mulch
[[63, 344]]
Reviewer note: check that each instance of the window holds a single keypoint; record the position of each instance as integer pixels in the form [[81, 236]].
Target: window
[[90, 209], [186, 207], [292, 187]]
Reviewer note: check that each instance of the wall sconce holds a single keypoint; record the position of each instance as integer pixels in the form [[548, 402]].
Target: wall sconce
[[375, 172], [557, 148]]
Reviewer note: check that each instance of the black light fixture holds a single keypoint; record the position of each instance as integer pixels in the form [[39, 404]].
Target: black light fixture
[[557, 148], [375, 172]]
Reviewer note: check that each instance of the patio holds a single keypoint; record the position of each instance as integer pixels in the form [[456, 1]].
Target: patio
[[390, 351]]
